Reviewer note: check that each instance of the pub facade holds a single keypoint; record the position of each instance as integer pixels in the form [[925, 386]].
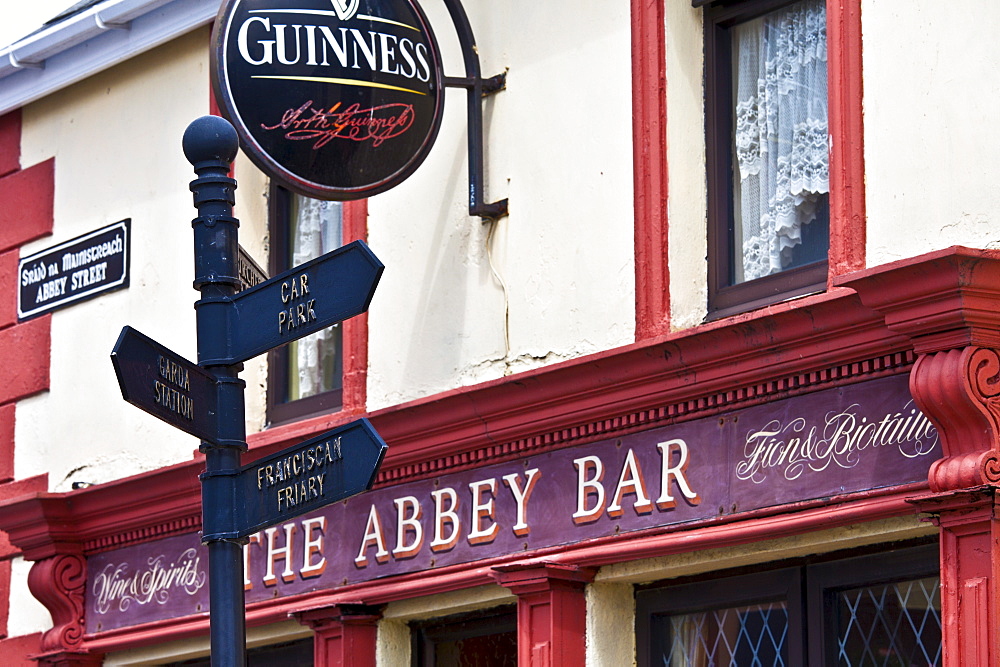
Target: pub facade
[[714, 380]]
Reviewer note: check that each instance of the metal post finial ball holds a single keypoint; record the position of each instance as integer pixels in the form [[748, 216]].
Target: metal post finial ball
[[210, 139]]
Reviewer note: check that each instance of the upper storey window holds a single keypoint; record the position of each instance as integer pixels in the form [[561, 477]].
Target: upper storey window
[[305, 376], [768, 151]]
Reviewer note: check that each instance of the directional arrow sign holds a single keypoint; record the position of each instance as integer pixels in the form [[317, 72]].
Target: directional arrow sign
[[303, 478], [304, 300], [166, 385]]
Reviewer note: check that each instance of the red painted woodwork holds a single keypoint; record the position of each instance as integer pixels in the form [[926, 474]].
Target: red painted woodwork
[[15, 650], [551, 611], [10, 142], [945, 302], [970, 533], [345, 635], [59, 583], [812, 343], [847, 150], [649, 151], [27, 197], [355, 339]]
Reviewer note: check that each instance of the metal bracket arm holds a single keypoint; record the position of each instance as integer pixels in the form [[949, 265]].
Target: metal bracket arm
[[477, 87]]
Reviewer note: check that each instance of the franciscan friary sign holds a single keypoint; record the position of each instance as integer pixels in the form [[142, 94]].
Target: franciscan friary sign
[[336, 99]]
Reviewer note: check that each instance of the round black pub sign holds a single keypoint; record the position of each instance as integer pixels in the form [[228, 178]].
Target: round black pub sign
[[335, 99]]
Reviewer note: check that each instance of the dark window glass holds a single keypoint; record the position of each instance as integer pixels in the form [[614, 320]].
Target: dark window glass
[[306, 376], [876, 609], [768, 151], [483, 639], [746, 635]]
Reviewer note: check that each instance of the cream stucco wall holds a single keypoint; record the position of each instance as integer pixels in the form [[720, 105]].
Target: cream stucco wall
[[931, 94], [559, 147], [687, 241], [116, 140]]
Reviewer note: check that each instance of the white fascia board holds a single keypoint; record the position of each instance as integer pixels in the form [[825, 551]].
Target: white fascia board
[[92, 41]]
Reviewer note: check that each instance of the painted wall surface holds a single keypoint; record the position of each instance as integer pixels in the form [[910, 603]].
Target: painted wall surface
[[931, 135], [686, 185], [559, 147], [116, 143]]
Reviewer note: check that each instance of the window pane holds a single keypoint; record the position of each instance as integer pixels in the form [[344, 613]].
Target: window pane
[[750, 635], [314, 361], [890, 624], [780, 141]]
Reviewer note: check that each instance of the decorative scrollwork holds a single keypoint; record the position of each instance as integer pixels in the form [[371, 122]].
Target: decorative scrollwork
[[984, 372], [59, 584], [959, 391]]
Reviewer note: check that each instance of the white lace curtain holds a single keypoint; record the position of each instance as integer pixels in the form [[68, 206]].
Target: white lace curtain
[[318, 230], [781, 134]]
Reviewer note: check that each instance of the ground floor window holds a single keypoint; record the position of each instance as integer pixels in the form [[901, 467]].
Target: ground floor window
[[481, 639], [880, 608]]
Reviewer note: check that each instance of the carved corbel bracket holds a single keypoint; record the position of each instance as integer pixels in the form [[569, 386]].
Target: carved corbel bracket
[[959, 391], [58, 583], [948, 303]]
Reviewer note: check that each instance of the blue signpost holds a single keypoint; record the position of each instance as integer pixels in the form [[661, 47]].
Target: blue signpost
[[236, 322]]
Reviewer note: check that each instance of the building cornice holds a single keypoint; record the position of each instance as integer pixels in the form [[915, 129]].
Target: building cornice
[[84, 44]]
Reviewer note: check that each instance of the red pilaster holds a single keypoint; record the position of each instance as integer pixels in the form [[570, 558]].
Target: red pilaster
[[649, 160], [947, 303], [551, 612], [345, 634]]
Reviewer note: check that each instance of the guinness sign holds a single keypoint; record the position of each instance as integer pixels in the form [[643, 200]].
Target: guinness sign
[[335, 99]]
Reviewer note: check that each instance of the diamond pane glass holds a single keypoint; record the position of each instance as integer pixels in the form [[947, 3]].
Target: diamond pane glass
[[748, 636], [890, 624]]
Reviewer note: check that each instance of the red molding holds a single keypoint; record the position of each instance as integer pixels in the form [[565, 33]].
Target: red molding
[[706, 370], [14, 650], [942, 300], [355, 338], [649, 146], [27, 197], [847, 155]]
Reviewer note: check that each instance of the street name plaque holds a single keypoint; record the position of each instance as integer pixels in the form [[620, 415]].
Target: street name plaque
[[78, 269], [166, 385], [303, 300], [309, 476]]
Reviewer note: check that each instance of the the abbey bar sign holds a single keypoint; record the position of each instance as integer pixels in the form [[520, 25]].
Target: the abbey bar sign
[[78, 269], [336, 99]]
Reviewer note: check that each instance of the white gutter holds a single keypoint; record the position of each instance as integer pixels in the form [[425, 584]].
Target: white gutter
[[91, 41]]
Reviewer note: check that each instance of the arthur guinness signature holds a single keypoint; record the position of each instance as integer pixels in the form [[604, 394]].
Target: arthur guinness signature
[[376, 124]]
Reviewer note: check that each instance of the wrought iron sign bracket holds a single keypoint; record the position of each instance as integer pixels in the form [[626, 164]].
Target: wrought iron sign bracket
[[477, 88]]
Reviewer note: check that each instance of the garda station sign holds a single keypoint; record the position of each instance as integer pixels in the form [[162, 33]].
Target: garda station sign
[[78, 269], [335, 99]]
